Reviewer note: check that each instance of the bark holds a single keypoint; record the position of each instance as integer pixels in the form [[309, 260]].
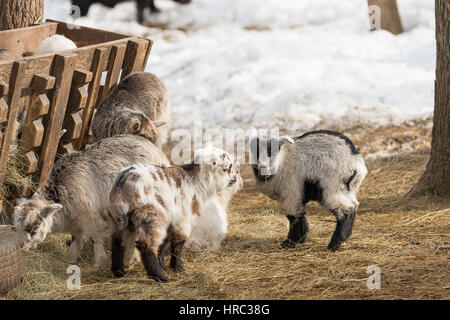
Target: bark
[[387, 18], [436, 178], [20, 13]]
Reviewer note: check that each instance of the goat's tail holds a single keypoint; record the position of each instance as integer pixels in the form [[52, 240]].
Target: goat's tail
[[360, 172]]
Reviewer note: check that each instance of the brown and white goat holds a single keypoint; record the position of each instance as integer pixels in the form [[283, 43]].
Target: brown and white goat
[[76, 197], [157, 206], [140, 104]]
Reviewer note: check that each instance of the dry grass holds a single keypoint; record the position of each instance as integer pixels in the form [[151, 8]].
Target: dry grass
[[407, 239], [15, 180]]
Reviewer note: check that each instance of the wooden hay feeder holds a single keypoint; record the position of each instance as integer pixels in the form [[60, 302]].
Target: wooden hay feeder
[[58, 90]]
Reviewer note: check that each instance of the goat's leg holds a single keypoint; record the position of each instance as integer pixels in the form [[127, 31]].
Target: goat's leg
[[176, 252], [151, 261], [344, 226], [75, 248], [162, 253], [100, 257], [131, 255], [141, 5], [117, 255], [298, 229], [153, 8]]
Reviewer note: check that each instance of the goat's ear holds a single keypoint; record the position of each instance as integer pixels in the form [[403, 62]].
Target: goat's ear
[[285, 139], [50, 209], [160, 123], [135, 126]]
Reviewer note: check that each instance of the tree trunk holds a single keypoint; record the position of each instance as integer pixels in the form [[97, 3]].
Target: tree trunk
[[20, 13], [383, 14], [436, 178]]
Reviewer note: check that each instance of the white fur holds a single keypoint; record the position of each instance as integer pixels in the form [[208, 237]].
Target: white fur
[[53, 44], [211, 227]]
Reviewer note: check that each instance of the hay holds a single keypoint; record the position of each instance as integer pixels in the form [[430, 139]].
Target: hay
[[15, 180], [408, 240]]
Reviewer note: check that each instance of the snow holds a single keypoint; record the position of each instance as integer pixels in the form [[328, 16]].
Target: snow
[[296, 65]]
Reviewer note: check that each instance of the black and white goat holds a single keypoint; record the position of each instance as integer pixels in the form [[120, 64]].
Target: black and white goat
[[323, 166]]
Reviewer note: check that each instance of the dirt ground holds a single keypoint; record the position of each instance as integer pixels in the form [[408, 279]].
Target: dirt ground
[[408, 239]]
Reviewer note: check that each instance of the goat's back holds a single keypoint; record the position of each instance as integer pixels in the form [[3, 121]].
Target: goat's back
[[81, 181]]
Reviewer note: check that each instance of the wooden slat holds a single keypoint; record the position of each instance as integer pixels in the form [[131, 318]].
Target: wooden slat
[[15, 88], [33, 128], [135, 56], [147, 55], [100, 57], [116, 58], [63, 68]]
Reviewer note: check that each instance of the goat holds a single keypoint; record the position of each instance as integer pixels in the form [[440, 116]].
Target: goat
[[323, 166], [156, 206], [139, 104], [212, 225], [75, 197]]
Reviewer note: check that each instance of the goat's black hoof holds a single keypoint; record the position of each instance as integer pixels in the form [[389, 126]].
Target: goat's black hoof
[[119, 273], [178, 267], [287, 244], [333, 247], [159, 278], [302, 239]]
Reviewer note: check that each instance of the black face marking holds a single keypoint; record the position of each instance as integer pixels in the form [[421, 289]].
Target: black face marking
[[260, 176], [312, 191], [347, 140], [349, 180], [32, 229]]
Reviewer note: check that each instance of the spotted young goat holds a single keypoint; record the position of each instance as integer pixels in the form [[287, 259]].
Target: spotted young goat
[[157, 206], [323, 166], [77, 194]]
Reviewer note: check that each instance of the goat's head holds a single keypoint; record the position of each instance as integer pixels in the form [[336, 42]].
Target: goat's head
[[264, 152], [141, 125], [218, 165], [34, 219]]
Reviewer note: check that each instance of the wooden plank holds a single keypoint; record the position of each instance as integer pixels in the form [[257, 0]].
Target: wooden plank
[[41, 82], [3, 89], [147, 55], [63, 68], [135, 56], [84, 36], [15, 88], [33, 129], [26, 39], [114, 67], [100, 58], [43, 63]]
